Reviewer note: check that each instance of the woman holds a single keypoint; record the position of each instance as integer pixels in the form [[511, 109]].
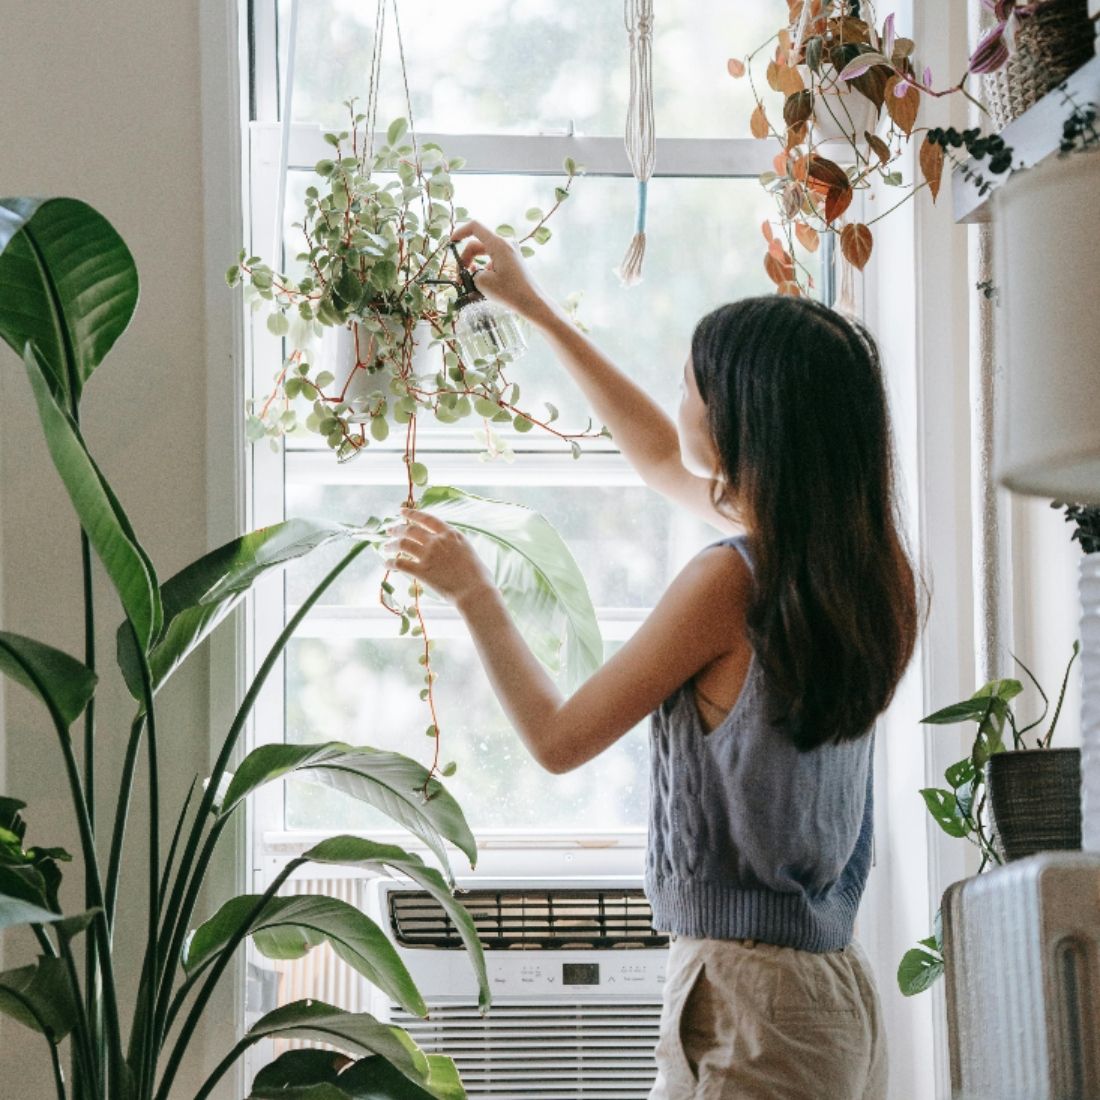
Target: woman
[[764, 666]]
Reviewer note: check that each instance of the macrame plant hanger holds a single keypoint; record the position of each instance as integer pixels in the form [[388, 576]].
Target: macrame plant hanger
[[371, 110], [641, 136]]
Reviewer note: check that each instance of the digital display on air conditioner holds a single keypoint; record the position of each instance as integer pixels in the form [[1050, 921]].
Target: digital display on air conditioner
[[580, 973]]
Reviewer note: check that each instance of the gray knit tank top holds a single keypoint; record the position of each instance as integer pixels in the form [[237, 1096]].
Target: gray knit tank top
[[748, 837]]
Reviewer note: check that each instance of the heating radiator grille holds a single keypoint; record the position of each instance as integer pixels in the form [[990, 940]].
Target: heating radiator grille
[[552, 919], [321, 975], [1022, 953], [559, 1051]]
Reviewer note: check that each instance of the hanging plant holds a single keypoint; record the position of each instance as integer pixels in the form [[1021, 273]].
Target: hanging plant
[[377, 261], [379, 267], [849, 99]]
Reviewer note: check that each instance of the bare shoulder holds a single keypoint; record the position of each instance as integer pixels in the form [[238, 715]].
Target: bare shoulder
[[717, 582]]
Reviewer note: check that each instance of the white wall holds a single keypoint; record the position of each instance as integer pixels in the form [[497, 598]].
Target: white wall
[[1046, 608], [102, 102]]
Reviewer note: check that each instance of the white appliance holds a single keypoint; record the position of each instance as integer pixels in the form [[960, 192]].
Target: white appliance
[[1022, 954], [576, 972]]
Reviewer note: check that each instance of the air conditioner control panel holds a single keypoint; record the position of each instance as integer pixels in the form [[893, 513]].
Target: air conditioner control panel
[[572, 973]]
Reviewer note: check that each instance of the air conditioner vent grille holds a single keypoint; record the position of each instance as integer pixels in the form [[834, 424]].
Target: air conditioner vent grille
[[560, 1051], [516, 920]]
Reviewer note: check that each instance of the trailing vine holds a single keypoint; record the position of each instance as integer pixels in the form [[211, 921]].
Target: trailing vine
[[377, 260]]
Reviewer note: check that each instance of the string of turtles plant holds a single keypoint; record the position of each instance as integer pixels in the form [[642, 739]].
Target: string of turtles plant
[[377, 259]]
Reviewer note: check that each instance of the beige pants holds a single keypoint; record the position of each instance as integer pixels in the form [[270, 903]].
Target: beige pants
[[744, 1020]]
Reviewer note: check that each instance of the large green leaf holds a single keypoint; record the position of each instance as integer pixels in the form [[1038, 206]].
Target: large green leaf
[[537, 575], [56, 678], [325, 1075], [358, 1032], [68, 284], [202, 594], [944, 808], [918, 971], [24, 882], [392, 783], [40, 997], [99, 511], [352, 851], [290, 927], [18, 911]]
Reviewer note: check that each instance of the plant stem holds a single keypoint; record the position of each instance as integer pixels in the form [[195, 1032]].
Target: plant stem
[[900, 202], [91, 875], [162, 975], [114, 864], [171, 858], [44, 941], [58, 1074], [91, 975], [154, 884], [83, 1051], [216, 972], [222, 1068], [190, 875]]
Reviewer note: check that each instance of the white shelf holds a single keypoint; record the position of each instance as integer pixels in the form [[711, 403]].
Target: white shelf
[[1033, 136]]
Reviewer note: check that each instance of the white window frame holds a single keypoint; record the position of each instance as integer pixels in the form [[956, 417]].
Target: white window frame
[[587, 852], [925, 254]]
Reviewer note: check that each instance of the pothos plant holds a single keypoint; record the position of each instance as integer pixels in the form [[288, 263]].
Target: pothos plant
[[62, 319], [377, 261], [960, 808], [850, 94]]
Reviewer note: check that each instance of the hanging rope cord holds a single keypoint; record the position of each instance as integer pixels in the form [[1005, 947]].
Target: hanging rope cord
[[641, 133], [371, 111], [284, 134]]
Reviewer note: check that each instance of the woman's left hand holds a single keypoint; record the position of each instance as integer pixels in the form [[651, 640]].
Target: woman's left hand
[[432, 551]]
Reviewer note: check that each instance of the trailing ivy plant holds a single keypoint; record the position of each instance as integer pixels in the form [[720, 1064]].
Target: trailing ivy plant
[[62, 318], [959, 809]]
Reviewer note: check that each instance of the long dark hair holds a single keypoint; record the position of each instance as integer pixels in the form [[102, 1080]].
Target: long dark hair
[[797, 409]]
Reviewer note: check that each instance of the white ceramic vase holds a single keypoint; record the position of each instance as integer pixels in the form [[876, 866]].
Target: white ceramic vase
[[841, 113], [1047, 239], [336, 354], [1090, 702]]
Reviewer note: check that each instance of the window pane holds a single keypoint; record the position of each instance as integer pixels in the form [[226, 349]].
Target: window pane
[[525, 66], [365, 692], [627, 540], [704, 248]]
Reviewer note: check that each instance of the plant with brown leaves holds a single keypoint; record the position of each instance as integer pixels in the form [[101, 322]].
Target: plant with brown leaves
[[850, 95]]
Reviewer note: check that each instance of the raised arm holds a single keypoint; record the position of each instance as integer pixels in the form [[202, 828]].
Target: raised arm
[[643, 431], [699, 620]]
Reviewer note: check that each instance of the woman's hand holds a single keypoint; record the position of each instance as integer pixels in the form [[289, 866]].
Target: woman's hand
[[434, 552], [505, 279]]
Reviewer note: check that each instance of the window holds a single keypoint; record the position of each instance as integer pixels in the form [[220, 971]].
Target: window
[[513, 86]]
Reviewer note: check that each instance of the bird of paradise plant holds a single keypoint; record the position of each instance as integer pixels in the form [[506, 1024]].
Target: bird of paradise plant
[[70, 288]]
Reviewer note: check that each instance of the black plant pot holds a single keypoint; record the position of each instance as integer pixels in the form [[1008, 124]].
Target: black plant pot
[[1035, 795]]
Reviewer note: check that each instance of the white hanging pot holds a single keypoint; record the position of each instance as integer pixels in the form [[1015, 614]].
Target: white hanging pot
[[337, 354], [1047, 238], [1090, 701], [840, 112]]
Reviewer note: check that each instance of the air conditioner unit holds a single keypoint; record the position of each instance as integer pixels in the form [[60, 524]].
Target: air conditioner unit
[[576, 971], [1022, 955]]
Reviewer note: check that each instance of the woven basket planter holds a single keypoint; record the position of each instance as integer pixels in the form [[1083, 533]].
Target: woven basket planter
[[1035, 795], [1050, 45]]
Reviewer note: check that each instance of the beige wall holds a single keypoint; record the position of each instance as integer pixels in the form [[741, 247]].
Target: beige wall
[[102, 102]]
